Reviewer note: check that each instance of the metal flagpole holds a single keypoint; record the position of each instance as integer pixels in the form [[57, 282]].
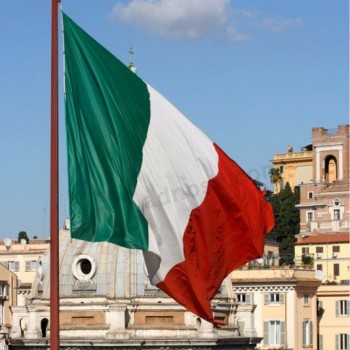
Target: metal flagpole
[[54, 186]]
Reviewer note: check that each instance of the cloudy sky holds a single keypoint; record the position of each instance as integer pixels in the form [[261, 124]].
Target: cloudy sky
[[255, 75]]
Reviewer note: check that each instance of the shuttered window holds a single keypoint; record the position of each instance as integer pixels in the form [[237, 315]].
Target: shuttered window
[[274, 298], [342, 308], [274, 333], [307, 333], [320, 342], [342, 341]]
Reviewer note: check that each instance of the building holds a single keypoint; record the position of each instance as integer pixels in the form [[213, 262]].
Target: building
[[333, 317], [270, 256], [329, 253], [283, 303], [294, 167], [22, 258], [323, 241], [324, 201], [106, 301], [8, 295], [8, 300], [330, 257], [324, 161]]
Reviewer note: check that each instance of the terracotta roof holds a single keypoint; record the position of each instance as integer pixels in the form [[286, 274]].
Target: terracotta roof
[[324, 238]]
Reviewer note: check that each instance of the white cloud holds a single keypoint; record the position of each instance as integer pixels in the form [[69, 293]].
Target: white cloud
[[278, 25], [191, 19], [174, 18], [235, 35]]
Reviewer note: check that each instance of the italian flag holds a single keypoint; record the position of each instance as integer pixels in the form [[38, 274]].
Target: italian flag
[[142, 176]]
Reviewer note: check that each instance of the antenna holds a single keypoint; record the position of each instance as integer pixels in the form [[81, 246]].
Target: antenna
[[131, 65]]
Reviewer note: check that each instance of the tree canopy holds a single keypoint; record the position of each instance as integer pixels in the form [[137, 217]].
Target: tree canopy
[[286, 221], [23, 235]]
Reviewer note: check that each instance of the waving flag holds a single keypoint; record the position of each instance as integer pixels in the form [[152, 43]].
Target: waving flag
[[141, 175]]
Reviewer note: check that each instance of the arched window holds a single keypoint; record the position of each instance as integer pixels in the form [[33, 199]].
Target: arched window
[[44, 323], [330, 169]]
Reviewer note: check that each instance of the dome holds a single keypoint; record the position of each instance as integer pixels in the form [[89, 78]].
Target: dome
[[95, 269]]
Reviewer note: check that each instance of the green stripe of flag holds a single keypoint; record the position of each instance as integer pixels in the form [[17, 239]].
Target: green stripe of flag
[[107, 118]]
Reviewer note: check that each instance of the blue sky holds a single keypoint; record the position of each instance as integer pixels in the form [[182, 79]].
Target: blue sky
[[255, 75]]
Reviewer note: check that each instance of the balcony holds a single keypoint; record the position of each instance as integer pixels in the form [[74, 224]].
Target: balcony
[[327, 226]]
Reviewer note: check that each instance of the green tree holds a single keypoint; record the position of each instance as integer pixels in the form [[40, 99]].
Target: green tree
[[286, 221], [23, 235], [275, 177]]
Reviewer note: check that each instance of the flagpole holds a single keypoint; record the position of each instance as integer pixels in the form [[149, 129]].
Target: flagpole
[[54, 186]]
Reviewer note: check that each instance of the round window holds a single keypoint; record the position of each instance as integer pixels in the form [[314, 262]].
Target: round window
[[336, 202], [83, 267]]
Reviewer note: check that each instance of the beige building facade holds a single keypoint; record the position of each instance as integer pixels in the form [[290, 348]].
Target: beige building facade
[[284, 306], [295, 167], [330, 253], [23, 260], [270, 256], [8, 295], [333, 317]]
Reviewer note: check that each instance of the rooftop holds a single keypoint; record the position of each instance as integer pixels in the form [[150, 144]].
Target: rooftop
[[318, 238]]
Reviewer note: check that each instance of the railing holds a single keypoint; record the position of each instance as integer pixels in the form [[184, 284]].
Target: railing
[[333, 225]]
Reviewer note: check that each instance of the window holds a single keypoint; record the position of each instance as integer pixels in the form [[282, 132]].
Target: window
[[336, 213], [342, 308], [307, 333], [320, 342], [13, 265], [319, 252], [3, 290], [319, 267], [310, 195], [274, 333], [31, 265], [306, 299], [310, 216], [270, 259], [336, 249], [274, 298], [336, 270], [243, 298], [342, 341], [305, 250]]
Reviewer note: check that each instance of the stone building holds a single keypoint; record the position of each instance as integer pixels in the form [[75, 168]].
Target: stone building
[[106, 302]]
